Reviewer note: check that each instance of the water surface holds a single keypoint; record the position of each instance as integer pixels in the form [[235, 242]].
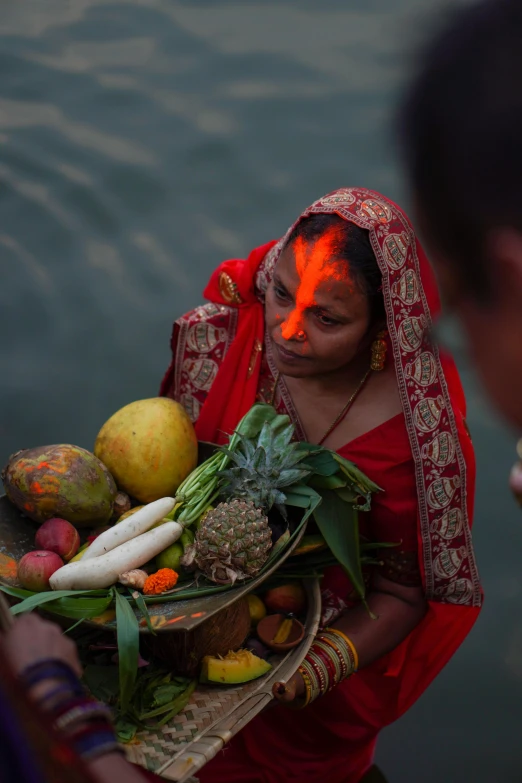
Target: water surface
[[142, 142]]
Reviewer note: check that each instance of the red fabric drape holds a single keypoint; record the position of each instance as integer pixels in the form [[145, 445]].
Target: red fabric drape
[[423, 459]]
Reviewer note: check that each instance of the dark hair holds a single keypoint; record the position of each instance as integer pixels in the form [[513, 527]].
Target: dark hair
[[461, 134], [355, 248]]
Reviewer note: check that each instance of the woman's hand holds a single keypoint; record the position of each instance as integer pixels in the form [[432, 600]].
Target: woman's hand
[[32, 639], [286, 692]]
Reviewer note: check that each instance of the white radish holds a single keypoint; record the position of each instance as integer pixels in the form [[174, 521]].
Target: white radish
[[104, 570], [134, 526]]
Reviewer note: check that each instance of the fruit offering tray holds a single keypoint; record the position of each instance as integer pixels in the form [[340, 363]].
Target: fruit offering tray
[[215, 714]]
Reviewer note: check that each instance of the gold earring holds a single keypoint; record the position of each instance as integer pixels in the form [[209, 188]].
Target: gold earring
[[379, 348]]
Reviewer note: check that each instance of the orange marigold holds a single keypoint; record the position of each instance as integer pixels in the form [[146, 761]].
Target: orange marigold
[[162, 580]]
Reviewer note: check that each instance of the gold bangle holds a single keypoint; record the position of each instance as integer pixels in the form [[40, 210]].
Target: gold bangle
[[308, 687], [349, 643]]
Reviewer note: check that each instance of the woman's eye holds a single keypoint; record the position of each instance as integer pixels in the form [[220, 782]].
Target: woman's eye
[[280, 293], [325, 320]]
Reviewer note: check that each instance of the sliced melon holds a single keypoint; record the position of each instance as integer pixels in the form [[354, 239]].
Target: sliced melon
[[234, 668]]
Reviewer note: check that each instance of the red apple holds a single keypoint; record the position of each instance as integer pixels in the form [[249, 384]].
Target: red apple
[[286, 599], [36, 568], [58, 535]]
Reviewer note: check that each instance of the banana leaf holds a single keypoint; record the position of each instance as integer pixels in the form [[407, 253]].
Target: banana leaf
[[338, 524], [55, 598], [142, 606], [252, 423], [127, 634], [335, 481], [322, 463]]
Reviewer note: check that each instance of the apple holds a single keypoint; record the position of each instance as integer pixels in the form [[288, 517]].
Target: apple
[[36, 568], [59, 536], [286, 599]]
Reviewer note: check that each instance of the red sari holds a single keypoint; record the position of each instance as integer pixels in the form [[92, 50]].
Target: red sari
[[423, 459]]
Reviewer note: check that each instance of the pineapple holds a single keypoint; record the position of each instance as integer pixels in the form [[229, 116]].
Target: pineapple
[[232, 542], [261, 470]]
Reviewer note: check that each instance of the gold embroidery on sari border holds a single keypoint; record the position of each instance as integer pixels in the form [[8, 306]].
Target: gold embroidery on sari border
[[256, 350], [204, 336]]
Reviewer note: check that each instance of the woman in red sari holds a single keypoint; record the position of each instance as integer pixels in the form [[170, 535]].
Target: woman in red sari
[[331, 324]]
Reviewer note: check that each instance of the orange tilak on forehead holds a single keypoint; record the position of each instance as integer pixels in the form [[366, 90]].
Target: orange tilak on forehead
[[313, 266]]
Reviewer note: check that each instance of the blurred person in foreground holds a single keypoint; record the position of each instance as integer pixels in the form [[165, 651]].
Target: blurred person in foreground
[[51, 730], [461, 134]]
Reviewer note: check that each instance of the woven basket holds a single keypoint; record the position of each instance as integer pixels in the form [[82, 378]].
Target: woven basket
[[215, 714]]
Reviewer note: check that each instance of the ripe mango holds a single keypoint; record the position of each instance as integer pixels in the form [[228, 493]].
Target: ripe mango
[[150, 447]]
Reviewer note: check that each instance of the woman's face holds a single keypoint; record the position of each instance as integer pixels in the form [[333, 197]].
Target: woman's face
[[317, 317]]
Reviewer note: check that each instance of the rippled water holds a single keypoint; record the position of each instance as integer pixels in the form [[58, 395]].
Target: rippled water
[[143, 141]]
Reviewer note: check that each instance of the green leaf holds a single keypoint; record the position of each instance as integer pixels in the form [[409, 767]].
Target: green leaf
[[322, 463], [278, 547], [176, 705], [102, 682], [164, 694], [38, 599], [142, 606], [283, 438], [356, 475], [251, 424], [282, 426], [125, 730], [367, 546], [338, 524], [292, 476], [127, 631], [348, 495], [295, 499], [79, 608], [16, 592], [265, 436], [305, 490], [320, 481]]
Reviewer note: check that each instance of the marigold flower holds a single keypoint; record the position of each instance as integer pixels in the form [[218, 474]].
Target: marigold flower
[[162, 580]]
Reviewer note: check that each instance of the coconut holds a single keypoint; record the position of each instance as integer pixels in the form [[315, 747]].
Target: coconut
[[183, 651], [60, 481]]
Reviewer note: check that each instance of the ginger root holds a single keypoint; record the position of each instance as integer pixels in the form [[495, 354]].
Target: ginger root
[[135, 578]]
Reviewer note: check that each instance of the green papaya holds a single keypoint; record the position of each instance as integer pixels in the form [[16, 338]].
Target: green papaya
[[60, 481]]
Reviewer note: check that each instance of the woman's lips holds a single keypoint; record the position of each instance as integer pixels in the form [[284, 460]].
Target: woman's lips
[[288, 356]]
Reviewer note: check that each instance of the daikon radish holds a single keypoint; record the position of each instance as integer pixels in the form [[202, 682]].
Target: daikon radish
[[131, 527], [103, 571]]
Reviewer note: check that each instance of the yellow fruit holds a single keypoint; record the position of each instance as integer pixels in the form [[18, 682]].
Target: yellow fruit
[[283, 632], [170, 557], [256, 607], [235, 667], [129, 513], [311, 543], [150, 447], [202, 516], [161, 522], [79, 554]]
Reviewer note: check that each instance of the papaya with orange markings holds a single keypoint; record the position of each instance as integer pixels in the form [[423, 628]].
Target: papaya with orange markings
[[60, 481]]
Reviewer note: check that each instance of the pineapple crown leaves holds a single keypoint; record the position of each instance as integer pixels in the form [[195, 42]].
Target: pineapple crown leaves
[[262, 468]]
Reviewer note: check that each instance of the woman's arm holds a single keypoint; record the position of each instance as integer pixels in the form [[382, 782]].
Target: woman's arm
[[395, 611], [31, 640]]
